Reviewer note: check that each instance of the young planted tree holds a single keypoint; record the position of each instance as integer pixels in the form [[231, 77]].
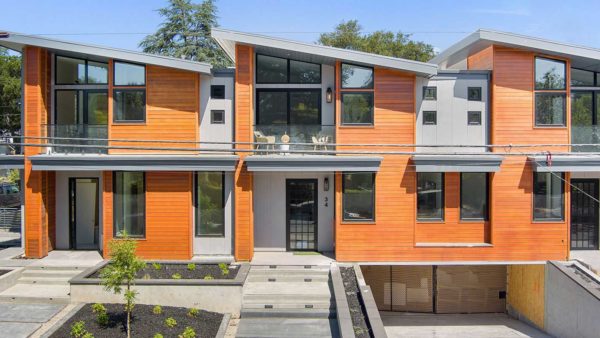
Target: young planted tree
[[120, 272]]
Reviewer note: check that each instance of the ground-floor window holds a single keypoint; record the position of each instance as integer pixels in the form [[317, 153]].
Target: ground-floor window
[[548, 196], [474, 196], [358, 196], [210, 204], [129, 203], [430, 196]]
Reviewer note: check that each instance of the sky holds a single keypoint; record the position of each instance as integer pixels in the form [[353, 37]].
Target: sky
[[437, 22]]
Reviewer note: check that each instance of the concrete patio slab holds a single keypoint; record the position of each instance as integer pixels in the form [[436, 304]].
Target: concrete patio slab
[[58, 258], [589, 257], [18, 330], [21, 320], [10, 253], [291, 258]]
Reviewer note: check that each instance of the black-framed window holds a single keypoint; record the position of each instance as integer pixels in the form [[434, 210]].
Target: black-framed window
[[550, 92], [550, 108], [271, 69], [210, 204], [129, 203], [474, 118], [474, 196], [217, 117], [357, 77], [583, 78], [129, 105], [430, 196], [548, 196], [217, 91], [429, 93], [79, 106], [358, 196], [550, 74], [474, 93], [357, 108], [288, 106], [74, 71], [430, 117], [129, 74]]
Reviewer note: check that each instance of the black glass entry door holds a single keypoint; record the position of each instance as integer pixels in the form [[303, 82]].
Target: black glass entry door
[[302, 219], [584, 214]]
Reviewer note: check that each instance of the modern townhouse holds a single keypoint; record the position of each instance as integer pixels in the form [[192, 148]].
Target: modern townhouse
[[424, 173]]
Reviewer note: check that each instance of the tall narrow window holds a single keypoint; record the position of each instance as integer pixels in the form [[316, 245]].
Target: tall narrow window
[[474, 196], [548, 196], [550, 92], [210, 204], [430, 196], [358, 196], [129, 95], [358, 95], [129, 204]]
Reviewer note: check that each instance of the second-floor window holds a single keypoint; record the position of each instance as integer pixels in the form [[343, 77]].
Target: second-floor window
[[288, 107], [129, 94], [474, 196], [357, 95], [73, 71], [271, 69], [550, 92]]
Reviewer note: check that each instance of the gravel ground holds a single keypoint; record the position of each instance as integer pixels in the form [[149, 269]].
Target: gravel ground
[[357, 310], [145, 323], [167, 270]]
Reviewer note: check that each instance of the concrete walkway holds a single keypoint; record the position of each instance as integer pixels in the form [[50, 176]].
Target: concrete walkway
[[590, 258], [497, 325], [21, 320], [292, 258]]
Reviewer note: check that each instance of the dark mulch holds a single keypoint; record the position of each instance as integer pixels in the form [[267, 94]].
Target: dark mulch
[[2, 272], [355, 303], [167, 270], [144, 322]]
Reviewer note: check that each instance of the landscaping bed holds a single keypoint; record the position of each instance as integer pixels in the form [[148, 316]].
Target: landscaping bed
[[145, 322], [355, 303], [155, 270]]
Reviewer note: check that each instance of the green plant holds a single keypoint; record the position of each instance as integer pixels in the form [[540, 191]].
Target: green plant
[[158, 335], [193, 312], [224, 269], [103, 319], [191, 266], [157, 310], [78, 330], [146, 276], [170, 322], [208, 277], [176, 275], [157, 266], [120, 272], [188, 333], [98, 308]]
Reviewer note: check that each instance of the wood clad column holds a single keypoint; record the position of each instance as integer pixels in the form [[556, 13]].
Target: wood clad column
[[39, 201], [244, 217]]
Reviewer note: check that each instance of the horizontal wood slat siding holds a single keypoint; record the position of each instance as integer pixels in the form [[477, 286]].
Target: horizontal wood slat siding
[[172, 108], [168, 215], [482, 60]]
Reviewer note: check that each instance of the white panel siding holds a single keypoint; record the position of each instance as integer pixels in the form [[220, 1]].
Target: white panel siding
[[216, 132]]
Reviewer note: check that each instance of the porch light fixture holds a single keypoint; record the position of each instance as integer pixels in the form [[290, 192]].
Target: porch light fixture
[[326, 184], [329, 95]]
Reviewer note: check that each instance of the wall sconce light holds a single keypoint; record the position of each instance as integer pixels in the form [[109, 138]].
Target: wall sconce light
[[326, 184], [329, 95]]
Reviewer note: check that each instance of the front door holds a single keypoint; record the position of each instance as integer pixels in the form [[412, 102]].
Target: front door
[[302, 219], [83, 213], [584, 214]]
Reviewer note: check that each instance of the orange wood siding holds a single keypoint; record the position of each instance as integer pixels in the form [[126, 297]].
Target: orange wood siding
[[168, 215], [244, 217], [172, 110], [481, 60]]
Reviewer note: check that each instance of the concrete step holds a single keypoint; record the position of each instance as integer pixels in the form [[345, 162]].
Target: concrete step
[[287, 327], [32, 293], [296, 288], [294, 272], [57, 268], [286, 304], [290, 267], [284, 278], [44, 280], [288, 313], [50, 273], [271, 299]]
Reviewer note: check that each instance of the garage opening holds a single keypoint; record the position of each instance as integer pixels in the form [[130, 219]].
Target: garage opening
[[438, 289]]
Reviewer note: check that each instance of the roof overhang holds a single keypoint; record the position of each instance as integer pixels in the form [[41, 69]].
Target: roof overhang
[[566, 163], [432, 163], [313, 163], [12, 162], [316, 53], [56, 162], [580, 56], [16, 41]]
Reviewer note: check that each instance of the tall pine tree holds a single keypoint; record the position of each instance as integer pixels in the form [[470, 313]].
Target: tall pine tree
[[185, 33]]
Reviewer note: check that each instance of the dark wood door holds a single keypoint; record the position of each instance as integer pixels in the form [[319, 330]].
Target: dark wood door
[[584, 214], [302, 218]]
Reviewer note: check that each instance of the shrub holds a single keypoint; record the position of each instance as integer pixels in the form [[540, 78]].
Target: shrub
[[98, 308], [208, 277], [78, 330], [176, 275], [170, 322], [146, 276], [103, 319], [193, 312], [156, 266], [191, 266], [158, 335], [188, 333], [157, 310], [224, 269]]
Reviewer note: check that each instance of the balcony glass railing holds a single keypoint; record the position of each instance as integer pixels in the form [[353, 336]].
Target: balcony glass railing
[[92, 136], [272, 138], [585, 135]]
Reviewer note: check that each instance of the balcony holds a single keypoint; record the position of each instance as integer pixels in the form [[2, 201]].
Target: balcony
[[91, 139], [589, 134], [281, 138]]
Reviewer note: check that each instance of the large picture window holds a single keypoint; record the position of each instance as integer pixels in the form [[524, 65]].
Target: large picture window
[[474, 196], [548, 196], [550, 92], [358, 196], [356, 77], [271, 69], [297, 106], [210, 204], [430, 196], [357, 108], [129, 203], [73, 107]]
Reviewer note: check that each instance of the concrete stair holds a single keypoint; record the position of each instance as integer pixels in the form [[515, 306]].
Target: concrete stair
[[288, 301], [39, 284]]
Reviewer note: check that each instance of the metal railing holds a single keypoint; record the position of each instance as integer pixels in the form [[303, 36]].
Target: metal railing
[[588, 135], [299, 137], [78, 134], [10, 218]]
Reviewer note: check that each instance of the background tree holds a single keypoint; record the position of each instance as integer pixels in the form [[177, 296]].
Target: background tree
[[10, 93], [185, 33], [348, 34]]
